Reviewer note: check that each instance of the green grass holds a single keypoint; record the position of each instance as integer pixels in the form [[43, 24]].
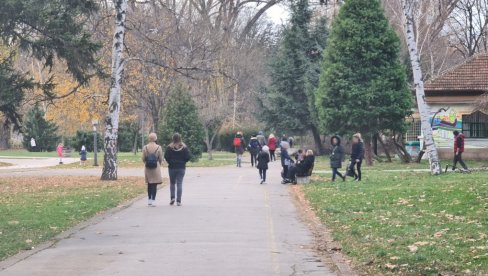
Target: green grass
[[25, 153], [408, 223], [323, 163], [35, 209], [129, 160]]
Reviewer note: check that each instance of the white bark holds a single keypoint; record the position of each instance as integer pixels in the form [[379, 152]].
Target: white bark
[[112, 121], [424, 110]]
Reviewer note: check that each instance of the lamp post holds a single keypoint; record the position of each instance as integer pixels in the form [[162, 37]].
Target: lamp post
[[95, 144]]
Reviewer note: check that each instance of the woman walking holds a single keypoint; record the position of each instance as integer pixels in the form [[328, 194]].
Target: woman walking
[[152, 156], [254, 149], [272, 144], [286, 161], [263, 160], [357, 156], [177, 155], [336, 157]]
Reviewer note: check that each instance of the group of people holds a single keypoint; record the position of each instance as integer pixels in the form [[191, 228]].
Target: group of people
[[263, 151], [176, 155]]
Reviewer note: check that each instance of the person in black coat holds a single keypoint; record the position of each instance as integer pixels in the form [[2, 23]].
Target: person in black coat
[[337, 156], [177, 155], [263, 160], [302, 168], [357, 156]]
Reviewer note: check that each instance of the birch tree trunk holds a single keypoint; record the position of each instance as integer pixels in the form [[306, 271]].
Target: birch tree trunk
[[112, 121], [424, 110]]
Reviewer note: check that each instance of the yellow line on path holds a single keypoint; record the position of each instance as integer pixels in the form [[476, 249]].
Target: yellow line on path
[[271, 234]]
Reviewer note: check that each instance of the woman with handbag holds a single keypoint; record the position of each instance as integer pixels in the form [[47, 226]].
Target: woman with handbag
[[357, 156], [152, 156]]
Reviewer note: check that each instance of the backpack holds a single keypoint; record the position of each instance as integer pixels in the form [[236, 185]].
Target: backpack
[[255, 144], [237, 142], [152, 160]]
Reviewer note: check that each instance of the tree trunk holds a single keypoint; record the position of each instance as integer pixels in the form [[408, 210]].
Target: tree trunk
[[368, 150], [208, 143], [424, 110], [317, 139], [112, 121], [4, 136], [134, 146], [400, 147], [383, 145]]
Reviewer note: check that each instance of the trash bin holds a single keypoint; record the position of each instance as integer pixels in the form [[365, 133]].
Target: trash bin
[[413, 148]]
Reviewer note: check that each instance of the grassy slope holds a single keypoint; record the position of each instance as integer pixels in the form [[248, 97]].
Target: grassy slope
[[35, 209], [408, 223]]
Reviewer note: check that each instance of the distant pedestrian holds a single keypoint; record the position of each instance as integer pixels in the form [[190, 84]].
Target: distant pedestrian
[[261, 139], [272, 144], [458, 150], [336, 157], [254, 149], [83, 154], [239, 146], [284, 140], [152, 156], [177, 155], [357, 156], [291, 141], [286, 161], [33, 143], [59, 151], [263, 160]]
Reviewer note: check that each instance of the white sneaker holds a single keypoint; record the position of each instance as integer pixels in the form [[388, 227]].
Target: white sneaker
[[149, 202]]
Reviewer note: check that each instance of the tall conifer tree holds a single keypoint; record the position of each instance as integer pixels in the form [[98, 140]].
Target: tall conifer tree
[[363, 85]]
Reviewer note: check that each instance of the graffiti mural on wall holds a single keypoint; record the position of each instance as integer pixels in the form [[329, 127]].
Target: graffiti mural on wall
[[444, 124]]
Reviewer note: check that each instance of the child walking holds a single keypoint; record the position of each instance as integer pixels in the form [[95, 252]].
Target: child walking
[[263, 160]]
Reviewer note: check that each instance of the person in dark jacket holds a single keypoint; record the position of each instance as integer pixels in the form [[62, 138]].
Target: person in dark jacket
[[357, 156], [177, 155], [458, 150], [254, 149], [337, 156], [263, 160], [83, 154], [303, 167], [239, 146], [285, 162]]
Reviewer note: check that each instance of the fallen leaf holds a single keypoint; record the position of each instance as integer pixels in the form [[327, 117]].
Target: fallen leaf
[[390, 266], [28, 241], [394, 258], [413, 248]]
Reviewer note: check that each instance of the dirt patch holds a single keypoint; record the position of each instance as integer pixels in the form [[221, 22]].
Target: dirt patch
[[328, 249], [4, 164]]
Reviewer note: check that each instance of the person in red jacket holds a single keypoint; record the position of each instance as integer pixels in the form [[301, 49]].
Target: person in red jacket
[[458, 150], [272, 144]]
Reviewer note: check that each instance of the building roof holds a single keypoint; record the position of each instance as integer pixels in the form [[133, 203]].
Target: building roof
[[472, 75]]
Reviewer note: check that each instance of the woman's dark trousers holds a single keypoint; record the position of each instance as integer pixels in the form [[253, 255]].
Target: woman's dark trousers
[[335, 173], [262, 173], [272, 154], [176, 183], [152, 189], [254, 159]]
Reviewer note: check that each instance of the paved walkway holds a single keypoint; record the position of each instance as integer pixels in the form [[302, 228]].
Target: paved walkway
[[228, 225], [30, 162]]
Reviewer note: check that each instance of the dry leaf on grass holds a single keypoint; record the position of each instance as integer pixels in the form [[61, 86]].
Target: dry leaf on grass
[[413, 248], [390, 266]]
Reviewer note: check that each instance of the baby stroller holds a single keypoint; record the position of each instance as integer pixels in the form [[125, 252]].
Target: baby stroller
[[286, 178]]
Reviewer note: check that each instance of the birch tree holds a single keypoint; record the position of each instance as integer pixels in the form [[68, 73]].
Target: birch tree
[[112, 121], [424, 110]]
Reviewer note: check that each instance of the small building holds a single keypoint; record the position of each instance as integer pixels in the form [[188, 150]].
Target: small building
[[452, 97]]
